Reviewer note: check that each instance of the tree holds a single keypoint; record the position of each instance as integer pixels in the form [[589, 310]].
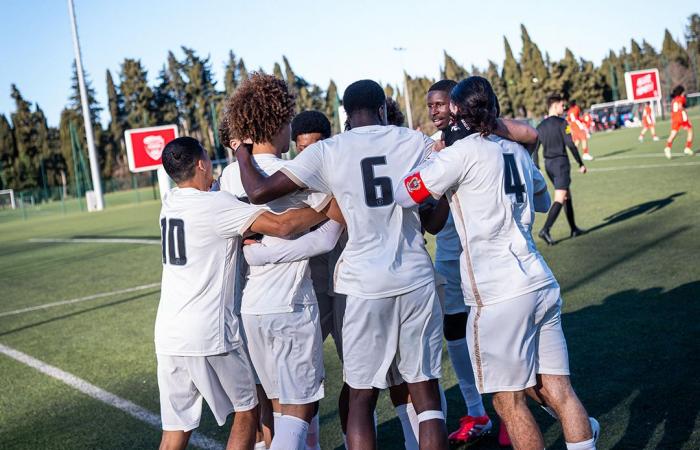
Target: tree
[[331, 109], [232, 77], [452, 70], [200, 95], [27, 141], [676, 64], [8, 155], [117, 124], [533, 76], [138, 96], [499, 88], [512, 78], [692, 37]]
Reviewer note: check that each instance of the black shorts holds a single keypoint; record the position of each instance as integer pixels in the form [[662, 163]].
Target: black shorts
[[559, 171]]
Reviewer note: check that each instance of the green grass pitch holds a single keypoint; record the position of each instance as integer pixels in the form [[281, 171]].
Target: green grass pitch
[[631, 289]]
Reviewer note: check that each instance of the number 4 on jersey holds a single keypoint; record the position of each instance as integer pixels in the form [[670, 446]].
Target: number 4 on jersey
[[513, 184]]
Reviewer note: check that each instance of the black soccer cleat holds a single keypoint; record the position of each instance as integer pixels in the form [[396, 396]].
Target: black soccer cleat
[[577, 232], [544, 235]]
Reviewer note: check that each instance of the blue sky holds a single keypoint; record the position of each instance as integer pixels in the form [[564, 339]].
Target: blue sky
[[345, 41]]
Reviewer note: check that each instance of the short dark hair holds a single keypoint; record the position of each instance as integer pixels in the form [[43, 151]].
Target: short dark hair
[[572, 102], [311, 122], [443, 85], [363, 95], [180, 158], [554, 98], [678, 90], [394, 116], [476, 104]]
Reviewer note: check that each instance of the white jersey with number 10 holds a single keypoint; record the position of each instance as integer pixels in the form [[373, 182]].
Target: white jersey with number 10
[[385, 255]]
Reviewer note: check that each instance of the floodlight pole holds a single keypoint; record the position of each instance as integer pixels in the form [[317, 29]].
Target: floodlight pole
[[406, 95], [92, 154]]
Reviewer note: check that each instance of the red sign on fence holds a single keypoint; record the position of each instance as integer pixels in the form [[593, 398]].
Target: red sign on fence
[[144, 146], [643, 85]]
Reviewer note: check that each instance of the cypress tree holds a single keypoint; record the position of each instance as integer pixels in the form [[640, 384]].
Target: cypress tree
[[452, 70], [499, 88], [138, 96], [512, 76], [8, 155], [534, 76]]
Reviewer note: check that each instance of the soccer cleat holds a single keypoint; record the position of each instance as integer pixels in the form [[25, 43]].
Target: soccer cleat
[[656, 138], [595, 427], [577, 232], [688, 151], [667, 152], [545, 236], [471, 429], [503, 437], [588, 157]]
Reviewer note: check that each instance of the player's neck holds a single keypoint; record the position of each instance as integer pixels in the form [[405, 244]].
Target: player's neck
[[194, 183], [266, 148]]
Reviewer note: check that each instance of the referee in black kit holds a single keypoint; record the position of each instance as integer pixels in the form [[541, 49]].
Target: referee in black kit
[[555, 136]]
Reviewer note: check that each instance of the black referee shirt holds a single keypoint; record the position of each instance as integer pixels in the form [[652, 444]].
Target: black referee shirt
[[555, 136]]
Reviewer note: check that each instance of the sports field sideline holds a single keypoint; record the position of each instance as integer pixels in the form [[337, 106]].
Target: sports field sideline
[[80, 292]]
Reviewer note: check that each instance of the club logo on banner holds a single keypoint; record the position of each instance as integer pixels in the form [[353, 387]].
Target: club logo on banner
[[144, 146], [643, 85]]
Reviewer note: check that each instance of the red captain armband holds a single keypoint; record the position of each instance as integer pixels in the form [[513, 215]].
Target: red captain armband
[[416, 187]]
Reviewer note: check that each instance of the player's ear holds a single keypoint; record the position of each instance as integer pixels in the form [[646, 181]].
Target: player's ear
[[383, 115]]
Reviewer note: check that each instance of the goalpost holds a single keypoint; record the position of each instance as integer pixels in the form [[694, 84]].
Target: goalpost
[[11, 194]]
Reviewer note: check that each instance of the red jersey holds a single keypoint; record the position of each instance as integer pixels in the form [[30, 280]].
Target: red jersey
[[647, 116], [587, 120], [678, 114], [573, 115]]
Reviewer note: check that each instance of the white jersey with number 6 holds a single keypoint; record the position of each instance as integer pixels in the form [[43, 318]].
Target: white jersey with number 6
[[490, 183], [385, 255], [201, 238]]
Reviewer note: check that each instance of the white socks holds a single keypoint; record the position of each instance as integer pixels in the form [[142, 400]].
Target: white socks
[[260, 446], [459, 355], [313, 436], [585, 445], [409, 423], [290, 433]]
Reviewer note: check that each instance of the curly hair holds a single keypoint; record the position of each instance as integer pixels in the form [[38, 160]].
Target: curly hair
[[477, 104], [257, 110], [394, 115]]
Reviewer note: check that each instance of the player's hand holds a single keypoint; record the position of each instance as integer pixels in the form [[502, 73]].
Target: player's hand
[[237, 144], [250, 242], [583, 169], [438, 145]]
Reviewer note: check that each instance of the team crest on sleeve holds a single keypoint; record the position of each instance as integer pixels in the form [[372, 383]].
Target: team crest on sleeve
[[416, 188]]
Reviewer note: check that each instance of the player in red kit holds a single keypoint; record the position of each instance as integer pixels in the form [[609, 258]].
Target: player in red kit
[[648, 122], [578, 129], [588, 122], [679, 119]]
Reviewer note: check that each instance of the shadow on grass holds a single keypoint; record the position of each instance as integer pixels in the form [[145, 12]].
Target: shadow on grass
[[633, 211], [77, 313], [607, 155], [640, 345]]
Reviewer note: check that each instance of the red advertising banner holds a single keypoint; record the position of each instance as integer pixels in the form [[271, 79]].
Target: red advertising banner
[[144, 146], [643, 85]]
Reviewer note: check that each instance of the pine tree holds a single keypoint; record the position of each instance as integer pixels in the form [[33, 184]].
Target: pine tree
[[650, 57], [588, 86], [676, 65], [692, 37], [117, 124], [511, 76], [534, 76], [176, 89], [452, 70], [165, 100], [231, 74], [277, 71], [636, 55], [331, 107], [8, 155], [200, 96], [242, 71], [137, 95], [29, 148], [499, 88]]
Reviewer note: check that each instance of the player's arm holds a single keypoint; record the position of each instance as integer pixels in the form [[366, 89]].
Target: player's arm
[[261, 189], [569, 142], [289, 222], [317, 242], [536, 153], [516, 131], [333, 212], [433, 214]]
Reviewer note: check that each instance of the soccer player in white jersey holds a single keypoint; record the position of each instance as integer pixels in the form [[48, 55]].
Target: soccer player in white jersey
[[476, 423], [392, 317], [279, 308], [514, 327], [197, 339]]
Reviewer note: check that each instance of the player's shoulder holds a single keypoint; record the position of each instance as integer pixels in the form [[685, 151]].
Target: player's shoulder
[[507, 145]]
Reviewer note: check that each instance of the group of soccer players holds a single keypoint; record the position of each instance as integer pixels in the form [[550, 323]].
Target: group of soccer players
[[261, 266]]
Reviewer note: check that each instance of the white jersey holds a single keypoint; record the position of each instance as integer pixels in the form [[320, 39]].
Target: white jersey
[[447, 246], [385, 254], [201, 234], [490, 183], [276, 288], [230, 180]]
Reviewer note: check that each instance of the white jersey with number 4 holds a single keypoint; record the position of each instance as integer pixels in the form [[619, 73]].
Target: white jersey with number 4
[[276, 288], [490, 183], [385, 255], [201, 238]]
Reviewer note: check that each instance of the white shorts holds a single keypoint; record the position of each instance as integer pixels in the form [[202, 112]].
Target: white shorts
[[287, 354], [225, 381], [513, 341], [331, 309], [402, 333], [453, 298]]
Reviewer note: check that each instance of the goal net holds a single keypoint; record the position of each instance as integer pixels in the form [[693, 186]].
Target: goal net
[[7, 199]]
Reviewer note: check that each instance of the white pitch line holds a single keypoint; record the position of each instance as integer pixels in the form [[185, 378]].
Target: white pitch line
[[97, 393], [78, 300], [637, 156], [96, 241], [643, 166]]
